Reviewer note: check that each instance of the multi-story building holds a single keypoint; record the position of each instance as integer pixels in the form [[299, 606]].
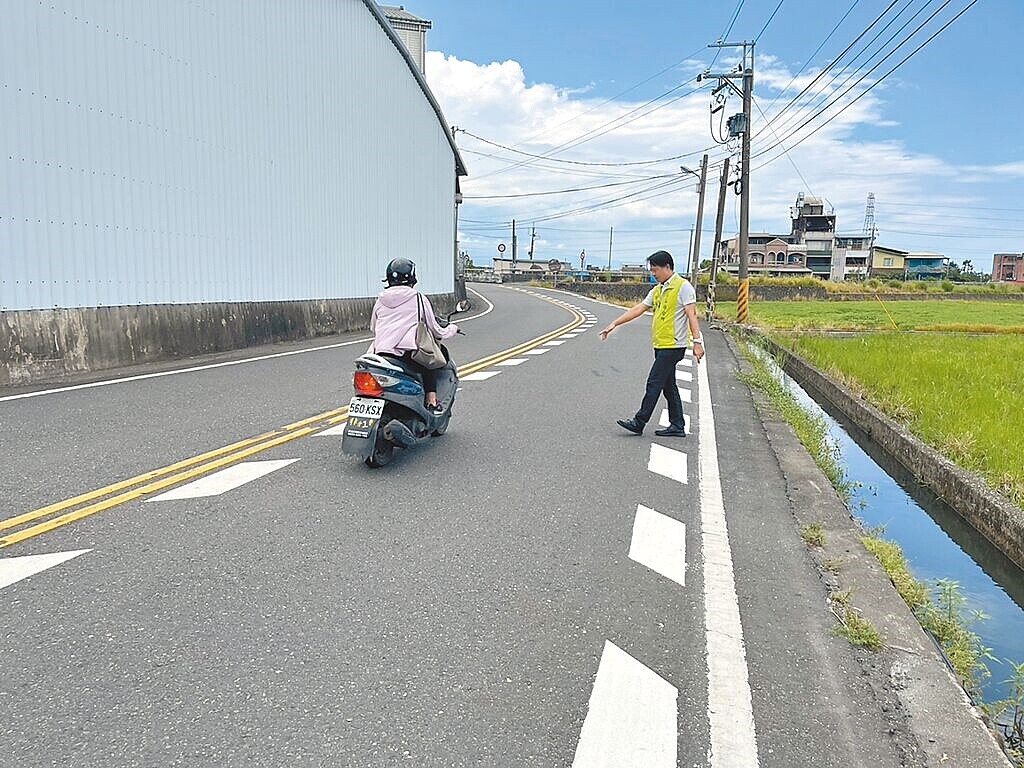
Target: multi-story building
[[412, 30], [813, 247], [1008, 268], [851, 256], [806, 250]]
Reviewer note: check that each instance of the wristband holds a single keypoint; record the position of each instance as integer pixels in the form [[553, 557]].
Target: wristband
[[699, 340]]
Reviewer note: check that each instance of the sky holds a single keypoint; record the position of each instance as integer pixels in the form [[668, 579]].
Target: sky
[[938, 141]]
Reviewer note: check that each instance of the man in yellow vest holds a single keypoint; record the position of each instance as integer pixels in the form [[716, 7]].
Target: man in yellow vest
[[674, 302]]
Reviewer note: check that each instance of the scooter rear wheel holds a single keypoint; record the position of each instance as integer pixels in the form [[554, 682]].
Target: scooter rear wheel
[[383, 452]]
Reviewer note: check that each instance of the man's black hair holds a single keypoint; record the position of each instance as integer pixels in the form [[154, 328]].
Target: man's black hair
[[661, 259]]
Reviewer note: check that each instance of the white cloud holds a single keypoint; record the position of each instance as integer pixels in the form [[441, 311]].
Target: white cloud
[[496, 102]]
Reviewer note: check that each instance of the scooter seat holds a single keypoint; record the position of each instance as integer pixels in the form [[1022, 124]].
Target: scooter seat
[[404, 365]]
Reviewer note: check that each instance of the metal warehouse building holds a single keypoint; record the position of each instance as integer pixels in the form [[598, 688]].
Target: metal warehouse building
[[244, 168]]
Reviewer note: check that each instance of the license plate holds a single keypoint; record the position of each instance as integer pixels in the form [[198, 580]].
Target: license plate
[[363, 414], [366, 408]]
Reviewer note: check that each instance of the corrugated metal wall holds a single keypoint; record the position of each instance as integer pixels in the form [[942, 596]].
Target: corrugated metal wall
[[189, 151]]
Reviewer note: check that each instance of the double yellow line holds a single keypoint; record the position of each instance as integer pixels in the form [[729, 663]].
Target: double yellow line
[[59, 514]]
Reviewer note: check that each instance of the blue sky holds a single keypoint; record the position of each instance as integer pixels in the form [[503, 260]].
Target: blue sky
[[938, 142]]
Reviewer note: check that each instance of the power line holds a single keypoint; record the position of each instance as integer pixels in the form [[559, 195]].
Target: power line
[[585, 136], [566, 191], [613, 98], [816, 52], [769, 21], [836, 60], [873, 85], [572, 162], [822, 94]]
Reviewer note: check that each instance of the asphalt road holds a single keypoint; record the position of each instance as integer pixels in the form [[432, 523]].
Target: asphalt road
[[513, 594]]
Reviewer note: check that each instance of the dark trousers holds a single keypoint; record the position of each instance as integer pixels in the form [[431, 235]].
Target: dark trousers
[[662, 380], [428, 376]]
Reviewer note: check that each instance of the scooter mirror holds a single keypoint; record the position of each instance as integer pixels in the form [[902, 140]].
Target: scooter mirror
[[463, 306]]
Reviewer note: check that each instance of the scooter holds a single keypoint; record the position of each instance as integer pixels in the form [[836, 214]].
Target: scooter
[[388, 410]]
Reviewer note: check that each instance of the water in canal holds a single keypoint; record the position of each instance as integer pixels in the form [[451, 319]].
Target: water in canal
[[938, 543]]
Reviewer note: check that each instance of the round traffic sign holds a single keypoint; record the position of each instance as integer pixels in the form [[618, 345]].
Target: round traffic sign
[[501, 247]]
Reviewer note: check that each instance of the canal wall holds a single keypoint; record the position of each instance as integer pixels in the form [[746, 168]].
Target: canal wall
[[969, 494]]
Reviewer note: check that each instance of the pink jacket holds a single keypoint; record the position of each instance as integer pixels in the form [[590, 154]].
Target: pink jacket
[[394, 319]]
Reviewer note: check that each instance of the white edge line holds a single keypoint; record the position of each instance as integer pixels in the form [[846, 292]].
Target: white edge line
[[730, 708]]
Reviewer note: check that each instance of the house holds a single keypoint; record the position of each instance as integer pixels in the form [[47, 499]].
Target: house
[[926, 266], [527, 266], [888, 262], [1008, 268]]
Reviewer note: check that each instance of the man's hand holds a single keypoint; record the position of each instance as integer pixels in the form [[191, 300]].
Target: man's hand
[[698, 351], [606, 331]]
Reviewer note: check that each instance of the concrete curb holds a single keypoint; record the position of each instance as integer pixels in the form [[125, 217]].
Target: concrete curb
[[933, 721], [969, 494]]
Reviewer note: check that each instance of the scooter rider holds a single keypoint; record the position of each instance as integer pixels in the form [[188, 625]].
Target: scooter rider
[[394, 320]]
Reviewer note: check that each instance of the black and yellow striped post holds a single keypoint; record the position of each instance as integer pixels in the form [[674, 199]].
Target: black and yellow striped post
[[743, 301]]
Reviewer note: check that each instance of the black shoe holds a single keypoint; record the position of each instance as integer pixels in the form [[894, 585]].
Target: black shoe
[[436, 408], [634, 426], [670, 432]]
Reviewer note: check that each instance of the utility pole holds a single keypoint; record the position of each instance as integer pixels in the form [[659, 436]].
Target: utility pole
[[611, 231], [514, 246], [702, 184], [739, 125], [719, 222], [533, 237]]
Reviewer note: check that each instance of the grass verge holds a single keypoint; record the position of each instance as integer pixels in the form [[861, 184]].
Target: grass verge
[[809, 427], [992, 317]]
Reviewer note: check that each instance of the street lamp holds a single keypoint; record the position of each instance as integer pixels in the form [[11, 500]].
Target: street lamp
[[701, 183]]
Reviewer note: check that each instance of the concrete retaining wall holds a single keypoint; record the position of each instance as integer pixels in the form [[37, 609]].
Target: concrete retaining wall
[[636, 291], [927, 296], [998, 520], [46, 345]]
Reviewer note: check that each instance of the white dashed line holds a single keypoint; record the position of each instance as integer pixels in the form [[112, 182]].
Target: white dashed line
[[664, 421], [631, 719], [480, 376], [536, 352], [687, 362], [555, 343], [668, 463], [685, 394], [513, 361], [335, 431], [659, 542], [684, 376], [223, 481], [14, 569]]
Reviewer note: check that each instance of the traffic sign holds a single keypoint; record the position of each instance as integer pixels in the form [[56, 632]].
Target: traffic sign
[[501, 247]]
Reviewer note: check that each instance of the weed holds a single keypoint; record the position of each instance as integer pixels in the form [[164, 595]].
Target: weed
[[832, 564], [859, 631], [813, 534]]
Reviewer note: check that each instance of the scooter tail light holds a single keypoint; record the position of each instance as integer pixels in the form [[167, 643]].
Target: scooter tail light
[[367, 384]]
